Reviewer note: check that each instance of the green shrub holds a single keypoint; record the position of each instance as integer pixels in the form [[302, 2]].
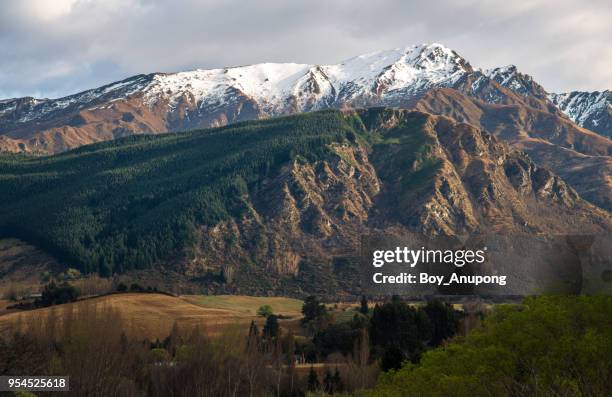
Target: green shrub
[[264, 311]]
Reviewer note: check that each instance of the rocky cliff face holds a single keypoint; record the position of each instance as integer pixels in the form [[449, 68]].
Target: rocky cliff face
[[422, 173], [281, 205], [580, 156]]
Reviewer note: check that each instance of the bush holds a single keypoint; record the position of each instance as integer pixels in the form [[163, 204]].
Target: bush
[[339, 337], [69, 274], [392, 358], [395, 324], [444, 320], [54, 294], [135, 287], [363, 306], [264, 311]]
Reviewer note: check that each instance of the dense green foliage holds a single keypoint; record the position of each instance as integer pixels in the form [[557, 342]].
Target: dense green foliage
[[549, 346], [397, 325], [132, 202], [397, 331], [337, 337], [312, 309], [443, 319]]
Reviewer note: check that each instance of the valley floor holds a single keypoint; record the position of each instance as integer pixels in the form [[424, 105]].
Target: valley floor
[[152, 315]]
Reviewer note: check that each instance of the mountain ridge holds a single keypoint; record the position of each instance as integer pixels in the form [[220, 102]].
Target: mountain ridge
[[592, 110], [427, 77], [161, 102]]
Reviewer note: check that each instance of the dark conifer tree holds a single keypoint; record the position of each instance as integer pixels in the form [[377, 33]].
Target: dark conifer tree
[[364, 305], [338, 386], [271, 327], [328, 382], [313, 380]]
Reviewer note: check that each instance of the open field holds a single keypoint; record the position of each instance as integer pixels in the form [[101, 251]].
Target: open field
[[153, 315], [248, 305]]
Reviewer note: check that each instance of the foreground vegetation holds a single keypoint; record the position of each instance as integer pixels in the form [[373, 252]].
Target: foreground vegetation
[[548, 346], [266, 359]]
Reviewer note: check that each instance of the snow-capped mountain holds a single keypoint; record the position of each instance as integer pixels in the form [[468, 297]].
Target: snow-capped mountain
[[511, 78], [428, 77], [304, 87], [22, 110], [592, 110], [275, 88], [162, 102]]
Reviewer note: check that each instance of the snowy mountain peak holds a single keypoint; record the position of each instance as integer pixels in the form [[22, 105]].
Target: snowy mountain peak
[[210, 97], [438, 54], [277, 86], [510, 77], [274, 86], [592, 110], [423, 56], [501, 71]]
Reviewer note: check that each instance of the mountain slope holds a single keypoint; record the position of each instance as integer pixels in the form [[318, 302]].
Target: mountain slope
[[272, 205], [523, 84], [590, 110], [580, 156]]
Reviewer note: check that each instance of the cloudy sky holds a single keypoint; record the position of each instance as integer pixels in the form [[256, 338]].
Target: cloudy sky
[[51, 48]]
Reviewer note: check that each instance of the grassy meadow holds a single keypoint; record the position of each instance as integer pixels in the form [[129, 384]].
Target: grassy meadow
[[152, 316]]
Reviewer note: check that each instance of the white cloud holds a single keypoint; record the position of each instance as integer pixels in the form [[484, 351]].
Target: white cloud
[[58, 47], [45, 10]]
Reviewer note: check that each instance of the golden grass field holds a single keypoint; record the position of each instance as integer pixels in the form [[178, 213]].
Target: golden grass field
[[248, 305], [153, 315]]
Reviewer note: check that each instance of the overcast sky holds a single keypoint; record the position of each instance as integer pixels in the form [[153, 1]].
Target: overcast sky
[[50, 48]]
